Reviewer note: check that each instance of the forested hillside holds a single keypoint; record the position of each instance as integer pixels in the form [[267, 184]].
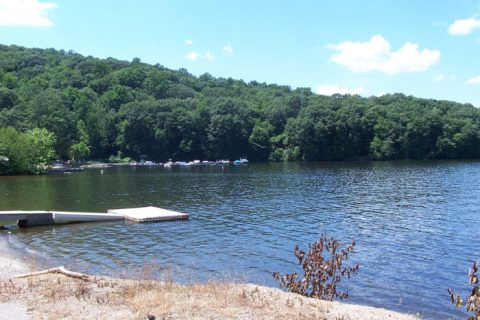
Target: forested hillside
[[99, 107]]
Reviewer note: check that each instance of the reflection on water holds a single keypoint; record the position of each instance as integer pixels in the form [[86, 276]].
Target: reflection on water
[[413, 223]]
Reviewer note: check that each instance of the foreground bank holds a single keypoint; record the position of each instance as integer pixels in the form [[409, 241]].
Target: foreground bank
[[54, 296]]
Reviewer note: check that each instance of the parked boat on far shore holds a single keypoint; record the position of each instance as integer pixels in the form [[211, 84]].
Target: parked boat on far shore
[[147, 163], [61, 167], [241, 161]]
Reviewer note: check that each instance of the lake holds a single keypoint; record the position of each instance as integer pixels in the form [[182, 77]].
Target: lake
[[416, 224]]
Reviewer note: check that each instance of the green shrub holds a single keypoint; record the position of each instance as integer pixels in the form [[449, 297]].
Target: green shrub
[[26, 152]]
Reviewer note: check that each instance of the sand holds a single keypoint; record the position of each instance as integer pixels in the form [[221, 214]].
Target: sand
[[11, 265]]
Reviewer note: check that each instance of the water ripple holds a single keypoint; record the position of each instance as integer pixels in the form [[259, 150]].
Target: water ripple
[[413, 222]]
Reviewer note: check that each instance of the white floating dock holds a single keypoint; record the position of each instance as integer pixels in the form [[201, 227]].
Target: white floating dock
[[149, 214], [19, 214], [44, 218], [28, 218], [60, 216]]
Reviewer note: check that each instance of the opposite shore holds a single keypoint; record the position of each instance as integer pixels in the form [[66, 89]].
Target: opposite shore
[[53, 296]]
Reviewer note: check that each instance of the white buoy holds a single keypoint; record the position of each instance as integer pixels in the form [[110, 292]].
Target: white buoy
[[101, 171]]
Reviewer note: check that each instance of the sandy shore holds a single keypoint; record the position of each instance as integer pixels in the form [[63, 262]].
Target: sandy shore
[[57, 296], [10, 261], [11, 265]]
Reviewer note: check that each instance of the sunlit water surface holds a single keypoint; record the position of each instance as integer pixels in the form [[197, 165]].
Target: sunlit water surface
[[416, 224]]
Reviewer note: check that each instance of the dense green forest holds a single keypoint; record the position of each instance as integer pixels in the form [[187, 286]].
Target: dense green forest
[[96, 108]]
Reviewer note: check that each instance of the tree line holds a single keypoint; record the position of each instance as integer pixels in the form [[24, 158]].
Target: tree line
[[96, 108]]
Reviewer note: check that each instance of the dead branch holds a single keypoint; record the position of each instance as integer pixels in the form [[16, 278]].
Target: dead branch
[[58, 270]]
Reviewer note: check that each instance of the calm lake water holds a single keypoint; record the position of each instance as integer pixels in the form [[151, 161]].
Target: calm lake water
[[416, 224]]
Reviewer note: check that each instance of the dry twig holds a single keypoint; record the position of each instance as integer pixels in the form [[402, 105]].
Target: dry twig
[[59, 270]]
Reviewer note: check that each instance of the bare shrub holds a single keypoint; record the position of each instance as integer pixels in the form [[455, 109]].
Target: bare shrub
[[323, 269], [473, 300]]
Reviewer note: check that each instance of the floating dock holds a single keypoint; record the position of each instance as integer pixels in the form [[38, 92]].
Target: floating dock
[[65, 216], [28, 218], [149, 214], [44, 218]]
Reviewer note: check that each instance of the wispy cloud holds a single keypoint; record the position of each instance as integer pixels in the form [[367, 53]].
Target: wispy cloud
[[192, 56], [188, 42], [376, 55], [442, 77], [329, 89], [209, 56], [228, 49], [474, 80], [463, 27], [26, 13]]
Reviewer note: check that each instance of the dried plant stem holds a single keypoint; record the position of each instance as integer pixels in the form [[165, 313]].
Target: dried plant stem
[[473, 300], [323, 269]]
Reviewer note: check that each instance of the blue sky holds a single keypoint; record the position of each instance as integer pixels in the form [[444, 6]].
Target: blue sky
[[428, 48]]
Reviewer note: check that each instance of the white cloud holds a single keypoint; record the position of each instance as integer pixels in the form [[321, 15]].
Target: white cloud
[[329, 89], [463, 26], [188, 42], [474, 80], [209, 56], [25, 13], [442, 77], [228, 49], [192, 56], [376, 55], [381, 93]]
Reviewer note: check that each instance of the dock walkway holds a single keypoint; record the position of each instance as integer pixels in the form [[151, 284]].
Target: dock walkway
[[43, 218]]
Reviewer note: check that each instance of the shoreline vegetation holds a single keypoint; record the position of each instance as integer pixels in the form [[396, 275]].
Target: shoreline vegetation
[[88, 108], [53, 295]]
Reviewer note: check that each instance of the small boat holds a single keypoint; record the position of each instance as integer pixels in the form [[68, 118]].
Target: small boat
[[194, 163], [223, 162], [169, 164], [61, 168], [241, 161], [151, 164]]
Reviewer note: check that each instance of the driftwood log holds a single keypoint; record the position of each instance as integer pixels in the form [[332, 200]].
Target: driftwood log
[[59, 270]]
